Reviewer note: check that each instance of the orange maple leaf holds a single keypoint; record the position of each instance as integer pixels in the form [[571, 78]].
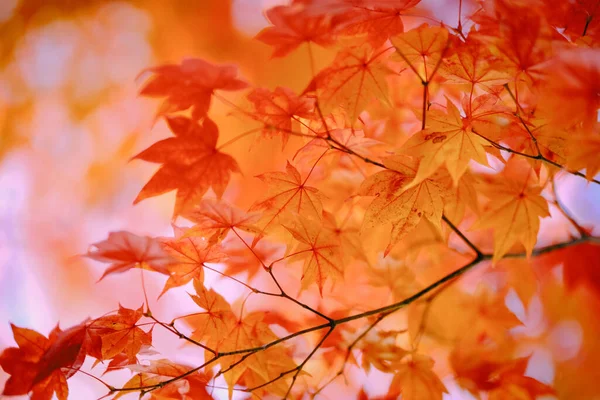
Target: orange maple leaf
[[403, 207], [189, 255], [292, 26], [357, 76], [320, 251], [515, 208], [125, 250], [191, 164], [190, 85], [581, 265], [112, 335], [474, 64], [415, 380], [214, 325], [217, 219], [280, 110], [287, 192], [422, 49], [447, 140], [377, 21], [42, 365], [240, 259], [583, 153], [193, 386]]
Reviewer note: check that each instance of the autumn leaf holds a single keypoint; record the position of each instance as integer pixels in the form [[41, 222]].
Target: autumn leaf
[[357, 76], [190, 85], [189, 255], [378, 21], [216, 322], [292, 26], [280, 111], [583, 152], [193, 386], [112, 335], [351, 139], [125, 250], [404, 208], [484, 365], [519, 34], [191, 164], [380, 351], [42, 365], [447, 140], [217, 219], [415, 380], [473, 64], [320, 251], [513, 384], [224, 331], [287, 192], [580, 266], [240, 259], [515, 208], [422, 49]]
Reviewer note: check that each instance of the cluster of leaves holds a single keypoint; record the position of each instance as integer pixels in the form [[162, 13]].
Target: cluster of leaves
[[406, 141]]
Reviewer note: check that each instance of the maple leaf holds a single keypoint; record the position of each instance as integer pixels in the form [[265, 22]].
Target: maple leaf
[[377, 20], [519, 34], [240, 259], [214, 325], [403, 207], [112, 335], [193, 386], [513, 384], [425, 45], [223, 331], [475, 65], [351, 139], [125, 250], [292, 26], [570, 95], [190, 85], [320, 251], [217, 219], [287, 192], [415, 380], [347, 235], [481, 364], [279, 111], [189, 255], [357, 75], [42, 365], [380, 350], [581, 265], [515, 208], [447, 141], [191, 164], [583, 153]]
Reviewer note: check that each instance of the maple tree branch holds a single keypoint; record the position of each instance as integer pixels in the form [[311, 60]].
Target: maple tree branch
[[149, 388], [540, 157], [381, 165], [382, 312], [349, 352], [303, 305], [423, 323], [299, 368], [171, 328], [588, 20], [462, 236], [565, 212]]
